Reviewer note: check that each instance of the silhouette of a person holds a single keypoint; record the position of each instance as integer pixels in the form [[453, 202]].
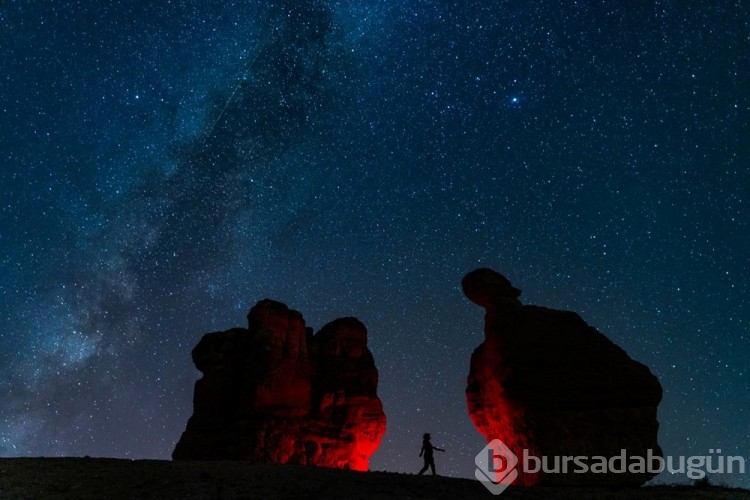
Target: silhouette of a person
[[429, 460]]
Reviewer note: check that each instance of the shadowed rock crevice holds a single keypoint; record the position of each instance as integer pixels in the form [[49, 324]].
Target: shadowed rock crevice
[[274, 392], [545, 381]]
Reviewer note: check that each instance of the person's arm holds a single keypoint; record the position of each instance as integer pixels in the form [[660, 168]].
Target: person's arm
[[421, 451], [438, 449]]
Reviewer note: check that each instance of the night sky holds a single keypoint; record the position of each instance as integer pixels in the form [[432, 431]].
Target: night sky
[[165, 165]]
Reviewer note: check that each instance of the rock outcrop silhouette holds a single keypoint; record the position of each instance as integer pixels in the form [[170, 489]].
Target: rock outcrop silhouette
[[274, 392], [545, 381]]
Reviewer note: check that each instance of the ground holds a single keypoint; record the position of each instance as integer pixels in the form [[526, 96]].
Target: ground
[[81, 478]]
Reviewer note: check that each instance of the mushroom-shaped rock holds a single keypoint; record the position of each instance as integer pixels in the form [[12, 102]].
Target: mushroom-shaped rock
[[546, 382]]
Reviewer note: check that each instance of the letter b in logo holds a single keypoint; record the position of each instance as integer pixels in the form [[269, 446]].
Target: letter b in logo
[[496, 466]]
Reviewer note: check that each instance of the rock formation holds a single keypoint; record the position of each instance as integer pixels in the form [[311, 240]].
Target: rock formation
[[275, 392], [545, 381]]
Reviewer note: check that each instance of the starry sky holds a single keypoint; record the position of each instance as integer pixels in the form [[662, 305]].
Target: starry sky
[[167, 164]]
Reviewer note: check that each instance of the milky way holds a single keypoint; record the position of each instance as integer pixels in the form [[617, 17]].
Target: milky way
[[166, 166]]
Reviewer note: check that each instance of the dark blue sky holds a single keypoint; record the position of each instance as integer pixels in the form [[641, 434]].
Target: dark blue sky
[[166, 165]]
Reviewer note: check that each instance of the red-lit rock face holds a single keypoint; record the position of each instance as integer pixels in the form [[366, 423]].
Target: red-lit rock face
[[276, 393], [545, 381]]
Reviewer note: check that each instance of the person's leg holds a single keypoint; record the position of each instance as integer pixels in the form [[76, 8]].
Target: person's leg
[[424, 469], [432, 465]]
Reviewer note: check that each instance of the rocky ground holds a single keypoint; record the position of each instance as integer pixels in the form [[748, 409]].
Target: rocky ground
[[73, 478]]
